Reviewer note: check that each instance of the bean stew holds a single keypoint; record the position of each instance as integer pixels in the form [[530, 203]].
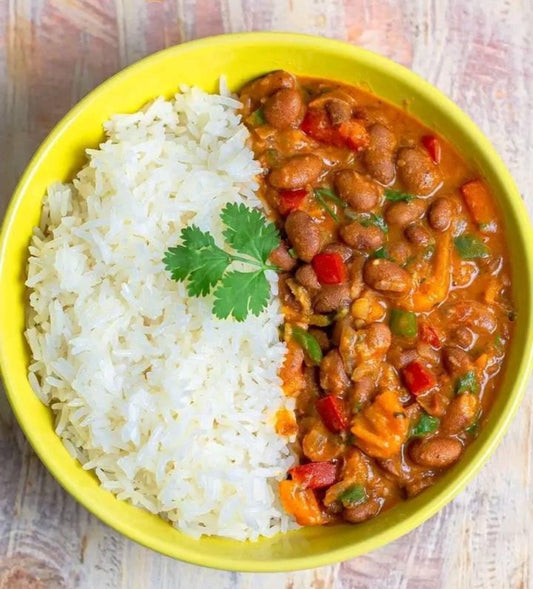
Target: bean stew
[[395, 293]]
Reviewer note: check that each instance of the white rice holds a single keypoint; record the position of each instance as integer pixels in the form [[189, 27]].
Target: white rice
[[173, 409]]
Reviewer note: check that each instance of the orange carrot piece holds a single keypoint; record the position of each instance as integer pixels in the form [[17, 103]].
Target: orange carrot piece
[[301, 503], [286, 423], [381, 429], [479, 203], [435, 289]]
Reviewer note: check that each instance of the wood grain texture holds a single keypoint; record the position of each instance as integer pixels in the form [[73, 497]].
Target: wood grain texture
[[52, 52]]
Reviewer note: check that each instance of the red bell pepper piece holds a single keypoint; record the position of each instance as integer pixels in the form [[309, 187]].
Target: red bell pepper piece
[[331, 410], [315, 475], [432, 145], [317, 125], [329, 268], [355, 135], [289, 200], [427, 334], [418, 378]]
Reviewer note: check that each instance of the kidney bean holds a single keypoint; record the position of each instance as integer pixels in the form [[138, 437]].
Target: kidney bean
[[399, 357], [440, 213], [281, 257], [362, 392], [463, 337], [378, 336], [417, 234], [344, 251], [379, 155], [322, 338], [415, 487], [331, 297], [333, 377], [386, 276], [304, 235], [400, 251], [296, 172], [361, 512], [437, 452], [364, 239], [461, 413], [403, 213], [306, 276], [361, 193], [339, 111], [267, 85], [455, 360], [417, 171], [284, 108]]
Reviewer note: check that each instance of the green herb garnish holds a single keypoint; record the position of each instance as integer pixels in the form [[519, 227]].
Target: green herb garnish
[[470, 247], [330, 195], [319, 195], [427, 424], [353, 495], [467, 383], [372, 219], [257, 118], [395, 195], [204, 265], [382, 253]]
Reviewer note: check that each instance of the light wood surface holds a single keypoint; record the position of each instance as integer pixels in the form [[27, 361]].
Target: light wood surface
[[478, 52]]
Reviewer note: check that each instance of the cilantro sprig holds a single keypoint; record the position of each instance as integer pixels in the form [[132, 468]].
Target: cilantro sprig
[[205, 267]]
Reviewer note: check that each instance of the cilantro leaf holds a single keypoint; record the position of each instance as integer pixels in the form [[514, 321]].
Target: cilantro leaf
[[248, 232], [395, 195], [241, 292], [199, 260], [376, 220]]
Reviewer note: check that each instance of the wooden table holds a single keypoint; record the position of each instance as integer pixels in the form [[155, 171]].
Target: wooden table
[[52, 52]]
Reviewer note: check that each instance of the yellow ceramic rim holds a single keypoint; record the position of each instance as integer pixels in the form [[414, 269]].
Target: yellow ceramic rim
[[500, 423]]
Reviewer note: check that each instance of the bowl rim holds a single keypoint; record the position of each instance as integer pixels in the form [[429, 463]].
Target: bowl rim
[[512, 198]]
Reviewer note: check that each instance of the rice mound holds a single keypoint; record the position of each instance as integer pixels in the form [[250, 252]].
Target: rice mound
[[173, 409]]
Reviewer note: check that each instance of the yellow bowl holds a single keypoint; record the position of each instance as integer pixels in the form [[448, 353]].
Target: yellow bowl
[[240, 58]]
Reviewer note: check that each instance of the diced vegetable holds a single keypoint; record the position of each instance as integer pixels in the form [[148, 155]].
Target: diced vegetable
[[427, 334], [317, 125], [353, 496], [329, 268], [331, 410], [418, 379], [308, 343], [257, 118], [427, 424], [290, 200], [432, 145], [395, 195], [286, 423], [403, 323], [381, 428], [470, 247], [468, 382], [301, 503], [354, 134], [479, 203], [435, 289], [315, 475]]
